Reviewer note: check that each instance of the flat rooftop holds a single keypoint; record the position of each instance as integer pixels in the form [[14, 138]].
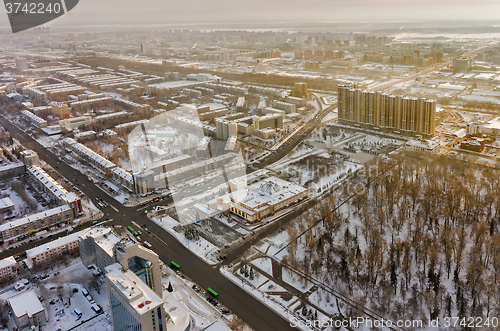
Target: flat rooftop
[[177, 84], [103, 236], [6, 203], [34, 217], [7, 262], [54, 244], [140, 297], [26, 303], [269, 191], [49, 182]]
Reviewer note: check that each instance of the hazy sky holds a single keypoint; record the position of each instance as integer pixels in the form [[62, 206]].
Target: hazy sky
[[190, 11]]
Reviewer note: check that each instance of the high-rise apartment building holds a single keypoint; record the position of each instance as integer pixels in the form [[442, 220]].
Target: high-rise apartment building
[[301, 90], [376, 110], [21, 64], [462, 64]]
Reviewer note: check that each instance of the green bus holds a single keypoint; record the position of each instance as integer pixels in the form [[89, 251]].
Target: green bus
[[212, 292], [198, 192], [175, 265], [132, 230]]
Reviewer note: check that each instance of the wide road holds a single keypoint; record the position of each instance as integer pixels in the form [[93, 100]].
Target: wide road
[[296, 138], [253, 312]]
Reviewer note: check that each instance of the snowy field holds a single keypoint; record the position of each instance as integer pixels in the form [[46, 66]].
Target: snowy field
[[264, 264], [292, 278]]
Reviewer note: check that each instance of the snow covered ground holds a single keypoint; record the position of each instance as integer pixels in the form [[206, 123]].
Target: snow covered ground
[[283, 307], [201, 247], [49, 141], [59, 300], [330, 116], [292, 278], [263, 264], [201, 312], [20, 206]]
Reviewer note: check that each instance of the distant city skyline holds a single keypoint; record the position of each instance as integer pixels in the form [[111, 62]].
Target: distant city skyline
[[95, 12]]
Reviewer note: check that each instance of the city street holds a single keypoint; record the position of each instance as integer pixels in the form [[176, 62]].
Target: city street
[[245, 306]]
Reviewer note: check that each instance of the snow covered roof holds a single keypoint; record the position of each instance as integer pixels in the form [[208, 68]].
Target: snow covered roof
[[55, 87], [85, 134], [109, 133], [140, 297], [217, 326], [81, 149], [47, 181], [33, 117], [103, 236], [203, 144], [485, 76], [130, 103], [26, 303], [448, 86], [194, 123], [425, 144], [231, 143], [54, 244], [67, 89], [11, 166], [40, 108], [7, 262], [487, 93], [473, 141], [69, 141], [82, 102], [184, 158], [156, 151], [270, 191], [111, 115], [199, 165], [126, 125], [119, 172], [6, 203], [460, 133], [178, 312], [176, 84], [495, 124], [34, 217]]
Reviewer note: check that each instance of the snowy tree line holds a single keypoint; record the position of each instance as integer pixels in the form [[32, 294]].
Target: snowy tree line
[[423, 241]]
